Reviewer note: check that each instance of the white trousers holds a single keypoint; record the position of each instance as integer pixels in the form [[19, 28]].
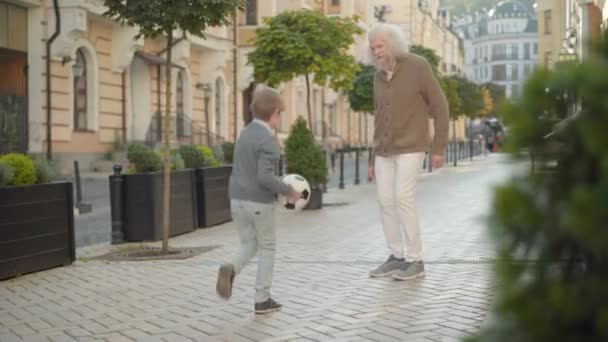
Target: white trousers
[[396, 178]]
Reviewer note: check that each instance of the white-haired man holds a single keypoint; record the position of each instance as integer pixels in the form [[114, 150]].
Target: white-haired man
[[406, 95]]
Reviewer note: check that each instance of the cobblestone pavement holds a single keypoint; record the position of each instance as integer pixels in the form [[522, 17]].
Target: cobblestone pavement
[[321, 278]]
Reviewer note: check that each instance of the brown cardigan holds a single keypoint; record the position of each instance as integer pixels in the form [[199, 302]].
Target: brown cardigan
[[403, 106]]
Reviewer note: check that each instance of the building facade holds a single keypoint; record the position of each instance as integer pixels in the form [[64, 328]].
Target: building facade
[[567, 27], [501, 46]]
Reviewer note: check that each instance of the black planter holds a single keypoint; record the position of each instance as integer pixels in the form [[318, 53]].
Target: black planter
[[316, 199], [213, 202], [36, 228], [143, 205]]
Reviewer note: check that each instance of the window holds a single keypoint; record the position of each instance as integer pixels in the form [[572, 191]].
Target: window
[[514, 51], [514, 72], [219, 94], [535, 49], [526, 51], [499, 72], [251, 12], [547, 22], [499, 51], [333, 118], [80, 92], [179, 105]]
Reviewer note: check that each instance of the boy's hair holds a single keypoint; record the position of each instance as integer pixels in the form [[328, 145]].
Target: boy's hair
[[265, 102]]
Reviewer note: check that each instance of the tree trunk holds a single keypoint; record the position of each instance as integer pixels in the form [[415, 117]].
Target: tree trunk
[[308, 102], [167, 147]]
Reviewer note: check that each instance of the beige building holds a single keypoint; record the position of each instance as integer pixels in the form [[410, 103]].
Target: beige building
[[567, 26], [106, 86], [333, 123]]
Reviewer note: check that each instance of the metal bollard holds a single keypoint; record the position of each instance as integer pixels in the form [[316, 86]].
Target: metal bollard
[[281, 166], [116, 194], [83, 208], [333, 161], [341, 185], [357, 167], [370, 161]]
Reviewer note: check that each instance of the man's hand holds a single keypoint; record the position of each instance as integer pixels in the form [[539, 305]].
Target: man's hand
[[371, 172], [437, 161], [293, 196]]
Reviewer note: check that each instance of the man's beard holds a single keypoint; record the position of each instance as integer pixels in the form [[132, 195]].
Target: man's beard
[[384, 63]]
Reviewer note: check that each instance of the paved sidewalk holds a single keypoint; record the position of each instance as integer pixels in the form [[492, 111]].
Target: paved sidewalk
[[321, 278]]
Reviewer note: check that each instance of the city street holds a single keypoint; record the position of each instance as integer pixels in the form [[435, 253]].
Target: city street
[[321, 278]]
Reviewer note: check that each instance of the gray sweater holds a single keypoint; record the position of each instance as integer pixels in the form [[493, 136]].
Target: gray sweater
[[255, 154]]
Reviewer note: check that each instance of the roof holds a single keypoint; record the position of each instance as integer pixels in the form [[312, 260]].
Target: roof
[[510, 9]]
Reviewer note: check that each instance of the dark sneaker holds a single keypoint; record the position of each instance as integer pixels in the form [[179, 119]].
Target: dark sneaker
[[224, 281], [268, 306], [390, 266], [411, 270]]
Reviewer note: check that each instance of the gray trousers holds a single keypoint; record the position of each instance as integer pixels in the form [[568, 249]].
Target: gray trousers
[[255, 225]]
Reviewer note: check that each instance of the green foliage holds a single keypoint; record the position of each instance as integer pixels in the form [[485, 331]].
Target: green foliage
[[361, 96], [24, 171], [450, 86], [6, 174], [45, 170], [471, 97], [177, 162], [158, 17], [143, 158], [228, 150], [429, 54], [193, 157], [304, 156], [296, 43], [556, 213], [210, 159]]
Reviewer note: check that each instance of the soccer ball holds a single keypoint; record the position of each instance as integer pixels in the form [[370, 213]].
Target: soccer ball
[[300, 184]]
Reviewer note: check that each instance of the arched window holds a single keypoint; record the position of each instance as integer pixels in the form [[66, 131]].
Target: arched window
[[80, 92], [179, 105], [219, 95]]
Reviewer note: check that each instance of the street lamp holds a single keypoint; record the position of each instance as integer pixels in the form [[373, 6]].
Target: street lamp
[[206, 88], [78, 68]]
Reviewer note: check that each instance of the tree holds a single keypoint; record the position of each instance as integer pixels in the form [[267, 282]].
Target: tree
[[305, 43], [471, 97], [159, 18], [304, 156], [488, 102], [429, 54], [497, 93], [550, 223], [361, 96]]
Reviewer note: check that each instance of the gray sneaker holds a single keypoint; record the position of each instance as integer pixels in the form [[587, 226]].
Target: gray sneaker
[[410, 270], [390, 266]]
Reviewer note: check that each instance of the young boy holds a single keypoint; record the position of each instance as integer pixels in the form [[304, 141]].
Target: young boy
[[252, 190]]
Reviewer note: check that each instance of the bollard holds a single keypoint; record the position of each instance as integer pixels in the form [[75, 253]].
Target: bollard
[[341, 185], [455, 153], [333, 161], [116, 195], [83, 208], [357, 167], [430, 163], [281, 166], [369, 164]]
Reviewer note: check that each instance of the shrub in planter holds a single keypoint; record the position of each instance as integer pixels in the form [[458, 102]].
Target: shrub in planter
[[554, 217], [143, 158], [306, 158], [228, 152], [211, 160], [193, 157], [45, 170], [6, 174], [24, 171]]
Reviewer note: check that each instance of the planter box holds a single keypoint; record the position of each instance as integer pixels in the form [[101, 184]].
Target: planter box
[[316, 199], [213, 202], [36, 228], [143, 205]]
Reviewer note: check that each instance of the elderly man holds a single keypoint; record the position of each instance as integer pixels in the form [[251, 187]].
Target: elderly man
[[406, 95]]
